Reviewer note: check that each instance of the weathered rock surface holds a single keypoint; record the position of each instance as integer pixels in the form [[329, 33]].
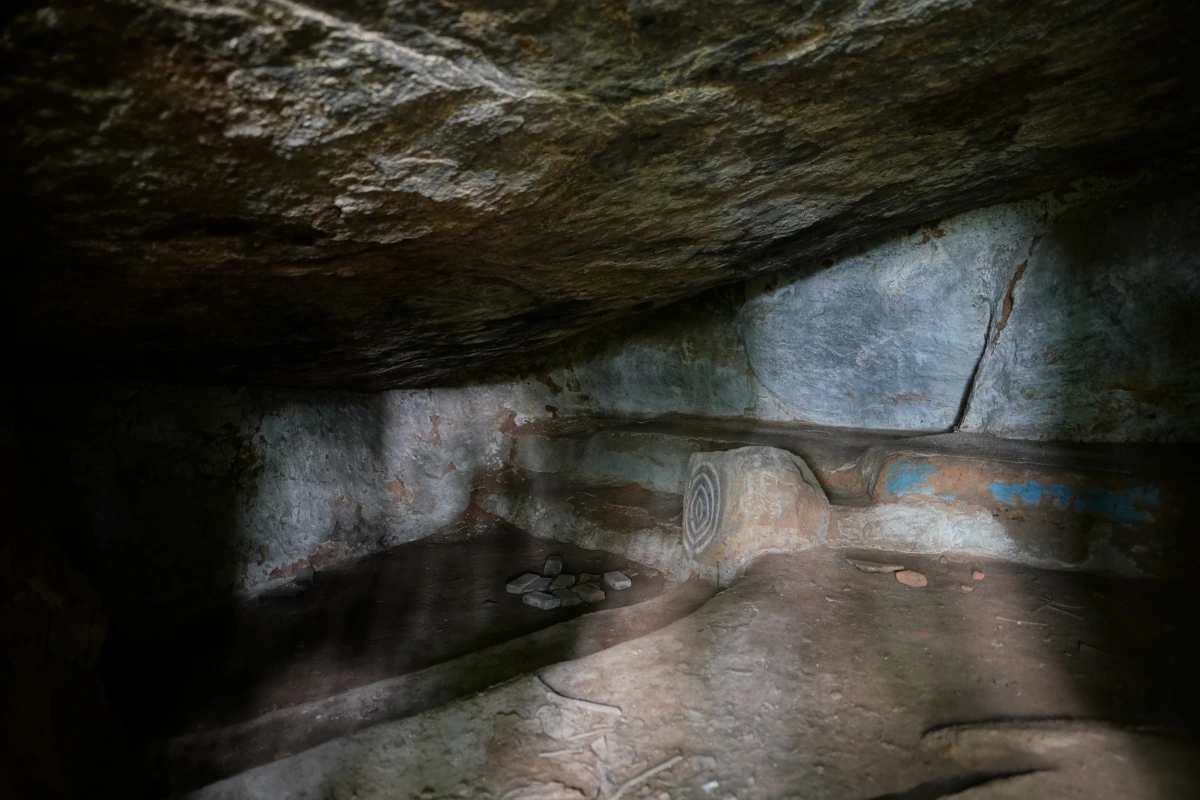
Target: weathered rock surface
[[745, 502], [589, 593], [541, 600], [381, 193], [1065, 316], [1095, 338], [521, 585], [190, 493], [617, 580], [566, 597]]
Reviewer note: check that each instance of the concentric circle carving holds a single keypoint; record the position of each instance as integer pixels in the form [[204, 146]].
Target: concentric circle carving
[[702, 510]]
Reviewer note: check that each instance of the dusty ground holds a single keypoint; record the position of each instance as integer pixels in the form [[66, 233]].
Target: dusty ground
[[373, 640], [390, 613], [808, 678]]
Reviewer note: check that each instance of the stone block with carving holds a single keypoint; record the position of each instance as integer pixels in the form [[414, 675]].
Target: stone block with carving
[[742, 503]]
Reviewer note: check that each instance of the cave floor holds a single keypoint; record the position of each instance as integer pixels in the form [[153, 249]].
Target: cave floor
[[257, 679], [809, 678]]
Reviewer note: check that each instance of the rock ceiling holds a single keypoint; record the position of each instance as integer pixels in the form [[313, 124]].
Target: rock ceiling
[[376, 193]]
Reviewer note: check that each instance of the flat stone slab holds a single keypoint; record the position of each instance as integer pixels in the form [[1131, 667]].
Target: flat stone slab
[[553, 567], [617, 580], [567, 597], [541, 600], [589, 592], [542, 584], [911, 578], [521, 585], [563, 582]]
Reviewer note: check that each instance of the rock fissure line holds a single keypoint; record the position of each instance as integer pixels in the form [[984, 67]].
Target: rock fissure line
[[965, 406], [992, 333]]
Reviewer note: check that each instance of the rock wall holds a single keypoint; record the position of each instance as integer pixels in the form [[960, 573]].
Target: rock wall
[[1065, 316], [187, 494]]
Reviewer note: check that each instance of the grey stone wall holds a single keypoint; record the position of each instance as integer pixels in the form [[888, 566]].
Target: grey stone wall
[[1066, 316], [188, 494]]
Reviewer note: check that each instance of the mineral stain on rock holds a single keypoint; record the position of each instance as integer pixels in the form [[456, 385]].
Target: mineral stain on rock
[[1131, 507]]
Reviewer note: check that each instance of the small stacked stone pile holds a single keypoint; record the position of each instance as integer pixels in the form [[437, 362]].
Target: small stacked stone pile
[[553, 589]]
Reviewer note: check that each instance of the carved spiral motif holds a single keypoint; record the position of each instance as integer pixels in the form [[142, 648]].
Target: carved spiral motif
[[702, 510]]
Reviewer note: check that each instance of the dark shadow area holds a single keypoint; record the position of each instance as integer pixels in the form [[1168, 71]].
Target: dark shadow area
[[157, 503], [149, 518], [380, 616], [59, 736], [948, 787]]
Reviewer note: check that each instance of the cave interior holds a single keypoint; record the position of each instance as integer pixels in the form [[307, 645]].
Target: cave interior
[[629, 399]]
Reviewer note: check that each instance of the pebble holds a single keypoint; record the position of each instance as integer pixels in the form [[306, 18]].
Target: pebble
[[874, 566], [910, 578], [566, 597], [977, 575], [617, 580], [541, 600], [589, 593], [563, 582], [553, 567], [521, 585], [587, 577]]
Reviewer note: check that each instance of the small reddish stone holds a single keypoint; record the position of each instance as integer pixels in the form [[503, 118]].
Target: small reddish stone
[[911, 578], [977, 574]]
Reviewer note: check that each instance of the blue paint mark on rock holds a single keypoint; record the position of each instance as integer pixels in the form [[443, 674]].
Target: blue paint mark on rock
[[1062, 494], [908, 477], [1127, 507], [1030, 493]]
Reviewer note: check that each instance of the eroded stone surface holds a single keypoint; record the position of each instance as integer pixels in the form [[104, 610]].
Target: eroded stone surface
[[589, 592], [541, 600], [617, 580], [522, 584], [566, 597], [563, 582], [744, 502], [382, 194], [539, 585], [191, 493], [1093, 339], [773, 691], [1063, 316]]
